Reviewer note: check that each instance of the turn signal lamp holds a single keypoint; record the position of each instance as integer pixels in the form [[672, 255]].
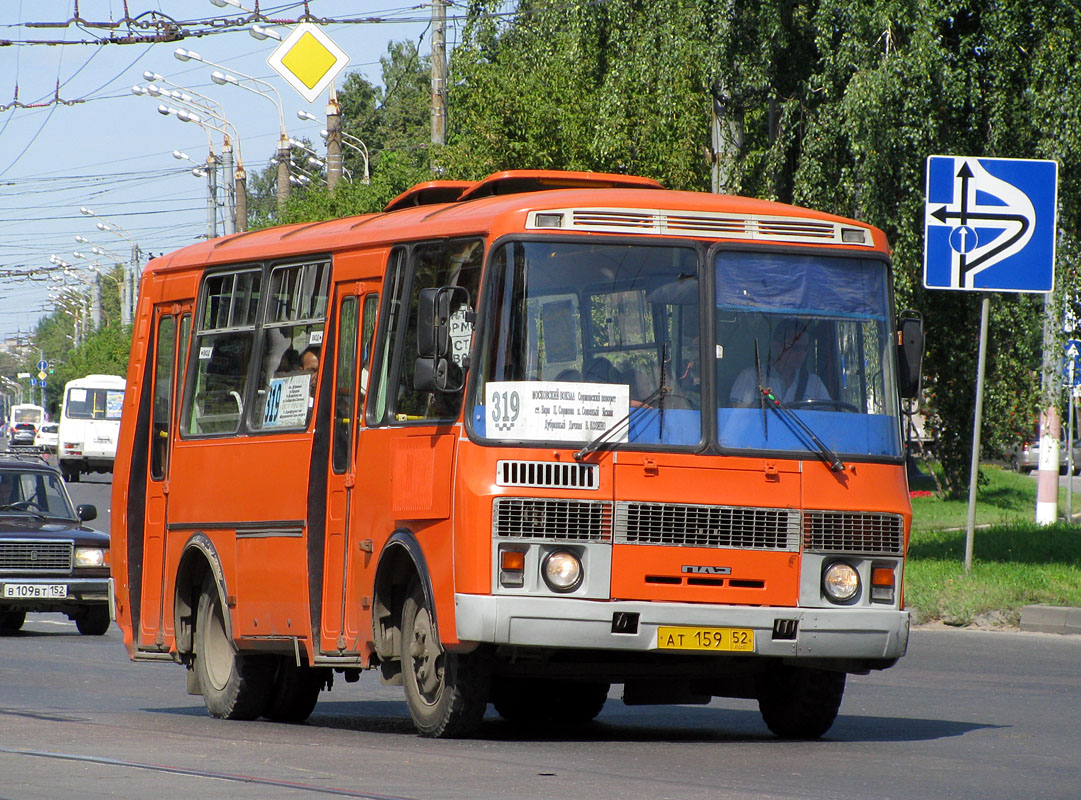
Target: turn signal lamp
[[883, 584], [511, 568]]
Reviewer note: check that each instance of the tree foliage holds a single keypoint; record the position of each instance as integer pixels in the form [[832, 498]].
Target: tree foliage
[[836, 103]]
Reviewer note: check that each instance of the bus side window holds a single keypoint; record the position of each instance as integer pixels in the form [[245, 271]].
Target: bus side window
[[224, 340]]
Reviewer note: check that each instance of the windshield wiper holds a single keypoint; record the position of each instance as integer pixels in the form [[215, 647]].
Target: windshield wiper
[[657, 395], [23, 510], [767, 398], [604, 437]]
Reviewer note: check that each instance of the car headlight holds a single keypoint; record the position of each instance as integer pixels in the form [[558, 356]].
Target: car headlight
[[562, 571], [91, 557], [841, 582]]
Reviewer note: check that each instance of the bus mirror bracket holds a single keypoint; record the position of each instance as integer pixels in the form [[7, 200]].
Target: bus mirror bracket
[[910, 343]]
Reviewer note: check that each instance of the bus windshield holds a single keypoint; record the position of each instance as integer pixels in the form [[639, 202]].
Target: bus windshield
[[584, 340], [813, 332]]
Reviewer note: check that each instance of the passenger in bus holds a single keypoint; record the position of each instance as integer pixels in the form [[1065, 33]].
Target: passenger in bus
[[290, 362], [309, 359], [784, 370]]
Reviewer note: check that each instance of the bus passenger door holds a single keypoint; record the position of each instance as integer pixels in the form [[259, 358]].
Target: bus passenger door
[[346, 558], [171, 326]]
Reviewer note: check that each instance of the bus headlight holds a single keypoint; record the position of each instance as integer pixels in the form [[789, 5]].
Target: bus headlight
[[90, 557], [562, 571], [841, 582]]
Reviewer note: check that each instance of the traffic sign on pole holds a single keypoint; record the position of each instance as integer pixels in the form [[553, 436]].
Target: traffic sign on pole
[[989, 224], [1071, 364], [308, 60]]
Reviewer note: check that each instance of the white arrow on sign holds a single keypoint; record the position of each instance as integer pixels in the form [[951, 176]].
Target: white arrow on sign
[[1015, 217]]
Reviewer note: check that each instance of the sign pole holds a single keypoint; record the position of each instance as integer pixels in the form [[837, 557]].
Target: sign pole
[[970, 528], [1069, 448]]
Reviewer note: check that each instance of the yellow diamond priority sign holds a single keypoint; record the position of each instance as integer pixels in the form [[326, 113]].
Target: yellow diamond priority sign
[[308, 60]]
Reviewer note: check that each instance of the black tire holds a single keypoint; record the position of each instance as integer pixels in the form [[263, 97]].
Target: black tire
[[71, 474], [94, 621], [11, 621], [540, 702], [447, 693], [800, 702], [295, 691], [234, 686]]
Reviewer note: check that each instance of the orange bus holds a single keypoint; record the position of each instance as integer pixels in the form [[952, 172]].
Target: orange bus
[[515, 441]]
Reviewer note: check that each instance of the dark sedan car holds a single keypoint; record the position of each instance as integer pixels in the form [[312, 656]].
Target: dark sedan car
[[49, 560]]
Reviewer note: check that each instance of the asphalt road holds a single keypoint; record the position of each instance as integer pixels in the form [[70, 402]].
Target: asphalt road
[[967, 714]]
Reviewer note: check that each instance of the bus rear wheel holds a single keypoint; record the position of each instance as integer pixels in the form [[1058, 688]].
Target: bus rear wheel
[[234, 685], [800, 702], [447, 693], [295, 691]]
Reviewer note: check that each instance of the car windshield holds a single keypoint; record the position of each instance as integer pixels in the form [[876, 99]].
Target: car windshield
[[34, 492]]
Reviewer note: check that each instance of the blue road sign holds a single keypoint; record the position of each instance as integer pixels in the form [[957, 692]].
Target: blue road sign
[[43, 364], [33, 383], [1072, 377], [989, 224]]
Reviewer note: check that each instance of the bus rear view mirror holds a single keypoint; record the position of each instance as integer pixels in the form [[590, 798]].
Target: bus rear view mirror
[[434, 307], [909, 353], [437, 375]]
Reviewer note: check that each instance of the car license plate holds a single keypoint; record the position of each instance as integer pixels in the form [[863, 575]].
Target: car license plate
[[35, 591], [738, 640]]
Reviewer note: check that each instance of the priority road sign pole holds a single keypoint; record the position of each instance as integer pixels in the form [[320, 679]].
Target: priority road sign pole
[[970, 528], [1069, 445]]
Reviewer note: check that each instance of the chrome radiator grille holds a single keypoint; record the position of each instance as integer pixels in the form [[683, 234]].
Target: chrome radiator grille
[[848, 532], [547, 475], [707, 526], [31, 556], [542, 518]]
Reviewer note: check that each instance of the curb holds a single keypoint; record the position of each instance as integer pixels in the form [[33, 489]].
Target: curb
[[1051, 619]]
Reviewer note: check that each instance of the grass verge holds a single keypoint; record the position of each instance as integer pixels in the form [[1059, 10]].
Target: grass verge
[[1015, 562]]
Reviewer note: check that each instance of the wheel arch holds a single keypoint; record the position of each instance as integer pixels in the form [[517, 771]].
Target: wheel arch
[[400, 561], [199, 559]]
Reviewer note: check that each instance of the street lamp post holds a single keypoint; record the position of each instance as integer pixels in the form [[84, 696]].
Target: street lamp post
[[222, 78], [130, 283]]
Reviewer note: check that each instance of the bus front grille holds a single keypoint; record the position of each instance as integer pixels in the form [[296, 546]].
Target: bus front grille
[[681, 525], [849, 532], [31, 556], [543, 518]]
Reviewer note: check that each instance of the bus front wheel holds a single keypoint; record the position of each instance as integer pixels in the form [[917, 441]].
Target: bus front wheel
[[234, 686], [447, 693], [800, 702]]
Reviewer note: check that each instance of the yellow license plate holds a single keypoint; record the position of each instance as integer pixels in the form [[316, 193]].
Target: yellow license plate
[[729, 640]]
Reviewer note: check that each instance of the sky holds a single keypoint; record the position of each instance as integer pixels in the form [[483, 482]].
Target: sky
[[106, 149]]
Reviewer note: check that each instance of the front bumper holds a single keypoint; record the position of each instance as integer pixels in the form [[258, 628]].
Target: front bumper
[[821, 633], [81, 592]]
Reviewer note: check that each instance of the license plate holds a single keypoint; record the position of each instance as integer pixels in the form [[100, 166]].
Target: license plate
[[737, 640], [36, 591]]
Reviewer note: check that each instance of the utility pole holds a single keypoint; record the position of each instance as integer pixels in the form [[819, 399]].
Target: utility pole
[[283, 170], [334, 140], [726, 113], [439, 71], [228, 187], [211, 198], [241, 180]]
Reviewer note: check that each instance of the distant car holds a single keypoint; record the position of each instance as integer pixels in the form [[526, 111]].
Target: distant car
[[47, 437], [49, 560], [1025, 455], [23, 433]]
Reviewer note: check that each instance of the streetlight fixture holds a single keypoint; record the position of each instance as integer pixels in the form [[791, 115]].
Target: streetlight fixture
[[130, 289], [243, 81], [355, 144]]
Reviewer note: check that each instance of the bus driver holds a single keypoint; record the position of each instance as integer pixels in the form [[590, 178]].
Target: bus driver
[[784, 371]]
